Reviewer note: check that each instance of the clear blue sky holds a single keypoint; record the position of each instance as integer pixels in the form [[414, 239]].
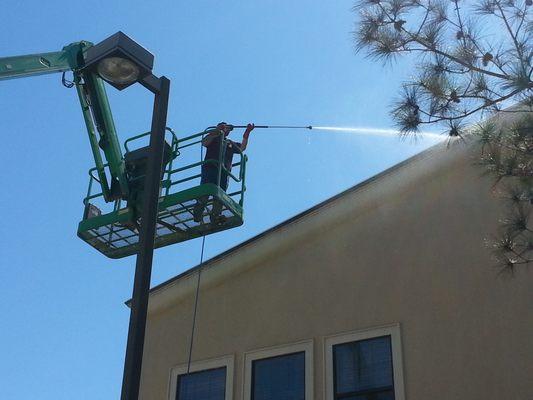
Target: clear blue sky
[[63, 321]]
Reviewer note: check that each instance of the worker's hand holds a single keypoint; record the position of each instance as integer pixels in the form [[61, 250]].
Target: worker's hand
[[249, 128]]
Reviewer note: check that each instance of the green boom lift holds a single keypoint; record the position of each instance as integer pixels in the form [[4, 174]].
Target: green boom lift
[[112, 206]]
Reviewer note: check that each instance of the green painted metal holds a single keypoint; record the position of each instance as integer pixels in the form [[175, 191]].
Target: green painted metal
[[70, 58], [174, 140], [94, 104], [93, 138], [108, 142], [115, 235]]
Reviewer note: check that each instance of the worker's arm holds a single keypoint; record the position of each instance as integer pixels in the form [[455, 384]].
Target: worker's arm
[[249, 128]]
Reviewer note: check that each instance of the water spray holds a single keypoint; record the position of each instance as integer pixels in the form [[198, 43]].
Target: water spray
[[355, 130]]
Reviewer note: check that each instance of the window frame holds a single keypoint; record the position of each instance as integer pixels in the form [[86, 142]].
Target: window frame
[[305, 346], [349, 337], [198, 366]]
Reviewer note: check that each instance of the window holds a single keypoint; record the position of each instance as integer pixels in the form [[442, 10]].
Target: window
[[280, 373], [280, 378], [364, 365], [363, 369], [206, 380], [202, 385]]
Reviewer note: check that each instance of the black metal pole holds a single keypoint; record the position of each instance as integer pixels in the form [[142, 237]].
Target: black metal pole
[[143, 268]]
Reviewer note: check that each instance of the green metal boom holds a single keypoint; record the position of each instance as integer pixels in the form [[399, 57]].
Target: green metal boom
[[94, 104], [43, 63], [115, 232]]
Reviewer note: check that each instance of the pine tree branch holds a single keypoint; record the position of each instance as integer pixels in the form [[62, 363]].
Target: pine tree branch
[[423, 23], [467, 114], [523, 14], [510, 31], [434, 49]]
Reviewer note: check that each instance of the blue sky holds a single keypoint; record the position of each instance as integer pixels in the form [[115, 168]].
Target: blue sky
[[64, 323]]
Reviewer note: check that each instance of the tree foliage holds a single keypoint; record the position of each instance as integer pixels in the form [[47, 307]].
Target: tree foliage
[[467, 64], [507, 152], [475, 58]]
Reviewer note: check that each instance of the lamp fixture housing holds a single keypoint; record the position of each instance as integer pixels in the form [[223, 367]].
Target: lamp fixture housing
[[119, 60]]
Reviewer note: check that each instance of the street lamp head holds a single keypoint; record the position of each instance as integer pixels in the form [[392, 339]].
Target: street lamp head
[[119, 60], [118, 70]]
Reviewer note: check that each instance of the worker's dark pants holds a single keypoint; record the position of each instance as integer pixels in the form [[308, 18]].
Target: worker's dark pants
[[210, 175]]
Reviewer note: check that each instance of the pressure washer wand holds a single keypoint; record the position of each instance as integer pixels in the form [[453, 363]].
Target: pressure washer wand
[[274, 126]]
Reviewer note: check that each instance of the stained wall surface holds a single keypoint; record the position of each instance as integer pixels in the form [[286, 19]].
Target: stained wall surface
[[407, 247]]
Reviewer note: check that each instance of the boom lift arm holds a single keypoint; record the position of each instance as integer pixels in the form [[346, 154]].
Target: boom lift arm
[[43, 63], [94, 104]]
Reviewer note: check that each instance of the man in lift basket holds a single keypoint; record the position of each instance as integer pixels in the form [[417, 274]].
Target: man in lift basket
[[212, 143]]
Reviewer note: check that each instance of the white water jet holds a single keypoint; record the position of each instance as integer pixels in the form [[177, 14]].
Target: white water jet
[[376, 131]]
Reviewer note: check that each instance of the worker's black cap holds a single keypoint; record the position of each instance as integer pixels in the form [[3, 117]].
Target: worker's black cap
[[230, 127]]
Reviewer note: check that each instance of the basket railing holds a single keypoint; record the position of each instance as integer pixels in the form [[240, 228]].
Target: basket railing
[[174, 179]]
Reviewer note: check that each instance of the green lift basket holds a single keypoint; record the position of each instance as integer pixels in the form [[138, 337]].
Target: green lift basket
[[115, 233]]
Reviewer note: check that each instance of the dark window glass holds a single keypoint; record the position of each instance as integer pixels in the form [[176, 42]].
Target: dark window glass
[[279, 378], [363, 370], [202, 385]]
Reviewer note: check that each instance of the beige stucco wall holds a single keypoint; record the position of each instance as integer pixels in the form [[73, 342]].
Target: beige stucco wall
[[405, 248]]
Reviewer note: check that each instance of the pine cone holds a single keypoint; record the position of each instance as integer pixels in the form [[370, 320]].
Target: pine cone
[[454, 97], [398, 24], [487, 57]]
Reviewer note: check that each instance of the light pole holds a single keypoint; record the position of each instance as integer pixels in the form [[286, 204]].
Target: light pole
[[122, 62], [143, 267]]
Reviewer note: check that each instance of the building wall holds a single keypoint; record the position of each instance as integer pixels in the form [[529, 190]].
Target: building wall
[[407, 248]]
